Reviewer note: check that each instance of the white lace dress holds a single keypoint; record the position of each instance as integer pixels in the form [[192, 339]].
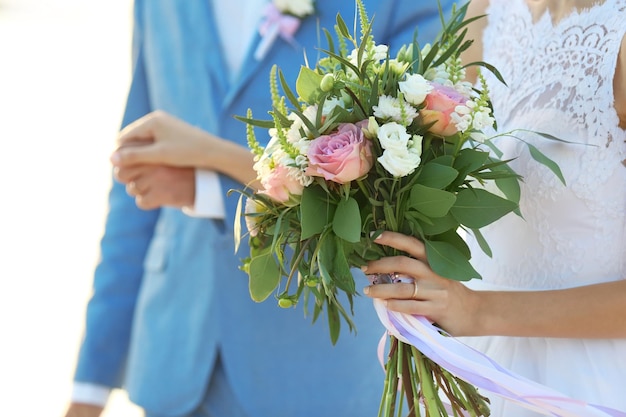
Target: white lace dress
[[560, 81]]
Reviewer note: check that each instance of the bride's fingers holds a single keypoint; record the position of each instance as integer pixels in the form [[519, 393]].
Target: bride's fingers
[[399, 291], [402, 265], [408, 244]]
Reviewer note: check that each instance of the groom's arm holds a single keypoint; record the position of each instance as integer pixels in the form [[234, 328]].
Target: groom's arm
[[117, 279]]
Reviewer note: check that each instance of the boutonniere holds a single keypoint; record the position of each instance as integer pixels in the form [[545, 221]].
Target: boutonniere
[[282, 18]]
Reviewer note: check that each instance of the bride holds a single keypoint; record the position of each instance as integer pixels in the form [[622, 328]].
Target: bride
[[552, 302]]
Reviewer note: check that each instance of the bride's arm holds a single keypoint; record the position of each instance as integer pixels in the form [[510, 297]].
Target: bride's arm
[[594, 311], [475, 32]]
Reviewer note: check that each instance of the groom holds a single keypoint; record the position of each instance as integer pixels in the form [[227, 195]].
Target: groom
[[171, 320]]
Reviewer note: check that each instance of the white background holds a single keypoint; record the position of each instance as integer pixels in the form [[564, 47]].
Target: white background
[[64, 73]]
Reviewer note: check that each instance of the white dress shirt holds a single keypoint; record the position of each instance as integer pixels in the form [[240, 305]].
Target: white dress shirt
[[237, 23]]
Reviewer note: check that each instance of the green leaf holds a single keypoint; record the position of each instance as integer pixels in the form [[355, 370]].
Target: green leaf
[[440, 225], [470, 160], [482, 242], [347, 220], [544, 160], [437, 176], [265, 124], [334, 322], [290, 95], [315, 211], [446, 260], [476, 208], [431, 201], [333, 264], [308, 84], [264, 276]]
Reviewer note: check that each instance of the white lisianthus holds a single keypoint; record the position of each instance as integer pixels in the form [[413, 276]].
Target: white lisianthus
[[415, 89], [399, 163], [393, 137], [299, 8], [394, 109]]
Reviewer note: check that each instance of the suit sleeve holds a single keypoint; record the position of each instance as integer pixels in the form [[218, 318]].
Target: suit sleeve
[[118, 275]]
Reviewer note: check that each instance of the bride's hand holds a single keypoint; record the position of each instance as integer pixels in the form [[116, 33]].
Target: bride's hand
[[166, 140], [449, 303]]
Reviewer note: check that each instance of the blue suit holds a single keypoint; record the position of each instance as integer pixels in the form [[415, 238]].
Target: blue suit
[[168, 295]]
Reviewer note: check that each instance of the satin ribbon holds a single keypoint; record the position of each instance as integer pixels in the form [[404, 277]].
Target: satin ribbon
[[479, 370], [273, 25]]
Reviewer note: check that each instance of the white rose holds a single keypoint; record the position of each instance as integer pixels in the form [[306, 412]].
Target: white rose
[[298, 8], [399, 163], [415, 89], [393, 136]]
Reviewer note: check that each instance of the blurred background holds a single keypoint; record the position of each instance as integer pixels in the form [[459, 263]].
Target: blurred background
[[64, 73]]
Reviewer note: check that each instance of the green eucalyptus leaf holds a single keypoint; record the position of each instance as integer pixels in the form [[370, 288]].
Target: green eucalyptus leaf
[[431, 201], [476, 208], [315, 211], [347, 220], [264, 276], [448, 261]]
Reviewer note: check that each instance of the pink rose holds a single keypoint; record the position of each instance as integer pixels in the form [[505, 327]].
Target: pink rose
[[342, 156], [440, 104], [280, 186]]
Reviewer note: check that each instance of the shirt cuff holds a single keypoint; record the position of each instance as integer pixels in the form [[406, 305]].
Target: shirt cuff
[[88, 393], [209, 199]]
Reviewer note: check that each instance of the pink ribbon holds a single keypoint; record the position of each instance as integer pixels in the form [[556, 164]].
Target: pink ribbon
[[273, 25], [482, 372]]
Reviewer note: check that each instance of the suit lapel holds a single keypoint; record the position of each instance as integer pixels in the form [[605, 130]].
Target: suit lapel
[[249, 67]]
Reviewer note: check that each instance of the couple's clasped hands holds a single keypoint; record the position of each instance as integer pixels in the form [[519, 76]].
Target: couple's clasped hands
[[158, 154]]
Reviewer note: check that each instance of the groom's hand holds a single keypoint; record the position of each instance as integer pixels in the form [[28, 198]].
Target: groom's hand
[[155, 186], [83, 410]]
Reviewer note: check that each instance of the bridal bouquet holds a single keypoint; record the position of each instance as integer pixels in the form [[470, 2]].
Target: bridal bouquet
[[368, 142]]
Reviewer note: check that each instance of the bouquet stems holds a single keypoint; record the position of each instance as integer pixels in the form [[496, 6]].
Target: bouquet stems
[[425, 386]]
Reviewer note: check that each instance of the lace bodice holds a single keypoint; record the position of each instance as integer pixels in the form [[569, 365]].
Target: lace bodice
[[560, 81]]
